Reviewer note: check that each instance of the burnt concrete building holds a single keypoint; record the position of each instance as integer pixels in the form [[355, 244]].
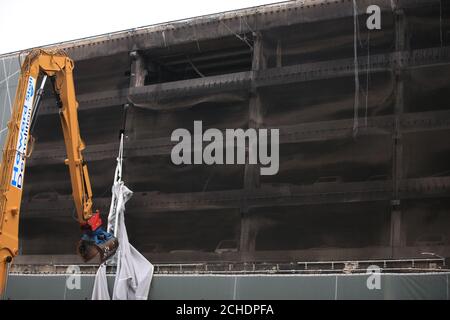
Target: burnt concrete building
[[363, 117]]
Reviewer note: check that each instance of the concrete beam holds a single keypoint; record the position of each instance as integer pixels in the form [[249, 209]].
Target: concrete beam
[[345, 67], [409, 257], [373, 252], [46, 154], [148, 96], [225, 24], [266, 196]]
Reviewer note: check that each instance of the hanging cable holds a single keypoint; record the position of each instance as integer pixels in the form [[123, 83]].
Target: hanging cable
[[195, 68], [367, 78], [118, 172], [355, 60], [242, 38], [440, 22]]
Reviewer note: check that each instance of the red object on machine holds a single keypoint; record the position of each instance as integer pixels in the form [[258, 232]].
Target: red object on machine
[[95, 221]]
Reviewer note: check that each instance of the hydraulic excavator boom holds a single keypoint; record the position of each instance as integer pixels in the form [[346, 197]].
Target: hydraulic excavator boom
[[56, 65]]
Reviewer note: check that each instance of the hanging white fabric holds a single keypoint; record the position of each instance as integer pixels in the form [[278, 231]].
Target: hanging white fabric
[[134, 272], [100, 291]]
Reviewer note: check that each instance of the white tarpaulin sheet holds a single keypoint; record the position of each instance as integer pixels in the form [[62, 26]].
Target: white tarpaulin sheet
[[134, 272], [100, 291]]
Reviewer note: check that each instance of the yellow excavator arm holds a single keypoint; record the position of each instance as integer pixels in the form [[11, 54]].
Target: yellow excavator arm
[[57, 66]]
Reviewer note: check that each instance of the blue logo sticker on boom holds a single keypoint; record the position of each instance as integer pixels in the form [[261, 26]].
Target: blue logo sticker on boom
[[22, 138]]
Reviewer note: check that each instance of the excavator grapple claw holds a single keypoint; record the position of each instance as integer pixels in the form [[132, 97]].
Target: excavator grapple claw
[[97, 242], [88, 250]]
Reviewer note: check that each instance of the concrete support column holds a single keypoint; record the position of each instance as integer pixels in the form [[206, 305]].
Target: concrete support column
[[279, 53], [397, 234], [251, 175], [138, 72]]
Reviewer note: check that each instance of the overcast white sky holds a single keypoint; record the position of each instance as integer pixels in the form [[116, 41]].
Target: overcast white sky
[[30, 23]]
